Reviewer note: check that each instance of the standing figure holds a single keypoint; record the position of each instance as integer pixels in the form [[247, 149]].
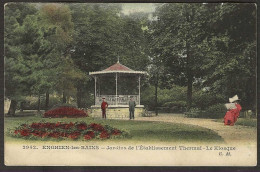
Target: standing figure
[[234, 109], [132, 108], [104, 106]]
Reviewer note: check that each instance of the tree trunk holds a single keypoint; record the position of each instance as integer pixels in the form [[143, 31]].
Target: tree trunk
[[189, 77], [189, 92], [12, 108], [189, 18], [94, 94], [63, 97], [21, 106], [39, 103], [79, 97], [156, 94], [47, 100]]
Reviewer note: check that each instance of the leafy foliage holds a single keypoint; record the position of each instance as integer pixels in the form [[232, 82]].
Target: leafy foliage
[[50, 48], [203, 100], [214, 112], [206, 44]]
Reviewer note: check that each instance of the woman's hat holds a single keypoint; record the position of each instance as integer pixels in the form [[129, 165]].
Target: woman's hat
[[232, 99]]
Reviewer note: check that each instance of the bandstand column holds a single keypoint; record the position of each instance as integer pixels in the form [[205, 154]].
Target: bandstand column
[[95, 89], [116, 88], [139, 90]]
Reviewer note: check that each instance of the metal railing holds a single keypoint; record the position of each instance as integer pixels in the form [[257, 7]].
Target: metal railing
[[121, 99]]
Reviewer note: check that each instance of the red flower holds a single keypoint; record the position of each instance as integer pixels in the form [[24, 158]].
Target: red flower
[[89, 135], [66, 126], [63, 134], [48, 125], [97, 127], [57, 124], [54, 134], [44, 135], [25, 132], [82, 126], [37, 133], [65, 112], [116, 132], [39, 130], [74, 135], [35, 125], [104, 135]]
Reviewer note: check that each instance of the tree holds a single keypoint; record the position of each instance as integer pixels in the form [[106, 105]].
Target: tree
[[57, 23], [213, 44], [94, 42], [37, 47], [102, 35], [177, 33], [232, 52], [132, 36], [17, 64]]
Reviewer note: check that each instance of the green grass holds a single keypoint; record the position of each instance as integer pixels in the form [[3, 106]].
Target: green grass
[[141, 131], [250, 122], [247, 122]]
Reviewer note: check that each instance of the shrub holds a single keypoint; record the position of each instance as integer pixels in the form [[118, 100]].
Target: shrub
[[62, 105], [61, 112], [31, 103], [217, 108], [204, 100], [194, 113], [214, 112], [175, 104], [175, 94], [53, 101], [147, 98], [247, 122]]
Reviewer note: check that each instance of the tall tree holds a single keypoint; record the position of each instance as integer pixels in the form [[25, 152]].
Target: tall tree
[[94, 41], [102, 35], [231, 62], [57, 18], [17, 63], [177, 33], [212, 43]]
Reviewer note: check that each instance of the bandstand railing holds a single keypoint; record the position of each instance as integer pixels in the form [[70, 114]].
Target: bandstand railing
[[116, 100]]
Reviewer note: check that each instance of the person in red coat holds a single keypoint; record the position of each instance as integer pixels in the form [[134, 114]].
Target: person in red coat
[[104, 106], [232, 113]]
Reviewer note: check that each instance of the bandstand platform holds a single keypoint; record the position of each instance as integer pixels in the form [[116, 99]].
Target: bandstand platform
[[118, 103]]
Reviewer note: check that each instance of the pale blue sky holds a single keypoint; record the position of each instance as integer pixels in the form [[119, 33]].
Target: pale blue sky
[[137, 7]]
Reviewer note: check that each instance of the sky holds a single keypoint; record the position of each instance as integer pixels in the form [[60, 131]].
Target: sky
[[128, 8]]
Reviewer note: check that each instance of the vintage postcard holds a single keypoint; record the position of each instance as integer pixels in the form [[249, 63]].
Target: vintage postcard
[[130, 84]]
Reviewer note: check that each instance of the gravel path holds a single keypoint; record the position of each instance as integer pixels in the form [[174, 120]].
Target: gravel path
[[231, 134]]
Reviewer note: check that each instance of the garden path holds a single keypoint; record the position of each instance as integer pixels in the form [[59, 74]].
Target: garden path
[[230, 134]]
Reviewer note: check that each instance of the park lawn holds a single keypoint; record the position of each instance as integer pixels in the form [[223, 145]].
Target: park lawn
[[250, 122], [141, 131]]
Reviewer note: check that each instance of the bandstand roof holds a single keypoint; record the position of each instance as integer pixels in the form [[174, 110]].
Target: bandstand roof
[[117, 68]]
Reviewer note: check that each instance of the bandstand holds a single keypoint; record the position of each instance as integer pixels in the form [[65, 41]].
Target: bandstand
[[118, 100]]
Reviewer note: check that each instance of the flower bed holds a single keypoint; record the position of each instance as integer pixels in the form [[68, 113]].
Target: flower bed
[[61, 112], [74, 131]]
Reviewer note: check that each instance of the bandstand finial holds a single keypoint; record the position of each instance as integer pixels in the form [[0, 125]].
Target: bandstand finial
[[117, 59]]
